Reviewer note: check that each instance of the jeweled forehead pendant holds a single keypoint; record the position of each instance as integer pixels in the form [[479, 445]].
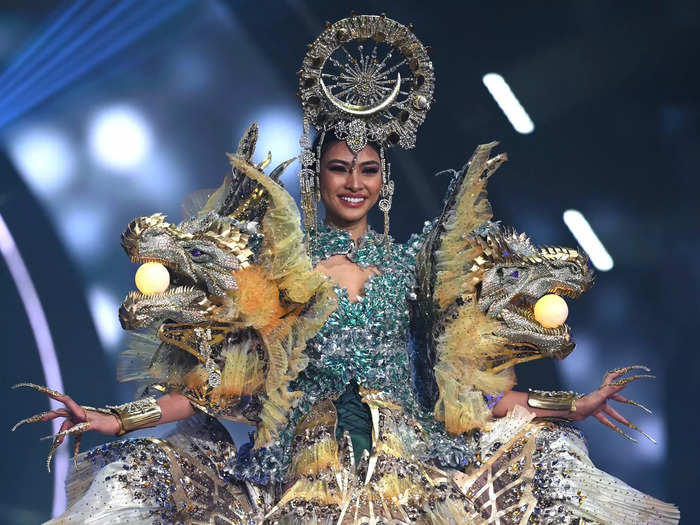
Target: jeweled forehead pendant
[[366, 78]]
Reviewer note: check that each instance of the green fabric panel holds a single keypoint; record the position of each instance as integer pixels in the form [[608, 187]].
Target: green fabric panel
[[354, 416]]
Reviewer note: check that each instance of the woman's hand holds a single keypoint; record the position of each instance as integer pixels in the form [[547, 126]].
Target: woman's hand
[[596, 403], [77, 419]]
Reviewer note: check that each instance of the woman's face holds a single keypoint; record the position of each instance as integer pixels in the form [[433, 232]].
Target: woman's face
[[350, 183]]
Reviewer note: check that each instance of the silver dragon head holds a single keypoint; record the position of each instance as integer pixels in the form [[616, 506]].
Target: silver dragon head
[[517, 274]]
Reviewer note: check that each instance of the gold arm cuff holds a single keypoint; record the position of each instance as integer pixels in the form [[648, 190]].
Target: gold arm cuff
[[555, 400], [137, 414]]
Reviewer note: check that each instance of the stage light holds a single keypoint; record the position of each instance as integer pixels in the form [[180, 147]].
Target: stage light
[[104, 307], [120, 138], [588, 240], [161, 180], [508, 102], [75, 42], [82, 228], [655, 426], [280, 129], [579, 369], [47, 352], [44, 157]]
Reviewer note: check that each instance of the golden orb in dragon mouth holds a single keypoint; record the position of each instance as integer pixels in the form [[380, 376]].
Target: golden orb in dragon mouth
[[152, 278], [551, 311]]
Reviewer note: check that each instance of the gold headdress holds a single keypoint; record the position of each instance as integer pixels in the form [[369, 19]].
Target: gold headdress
[[366, 78]]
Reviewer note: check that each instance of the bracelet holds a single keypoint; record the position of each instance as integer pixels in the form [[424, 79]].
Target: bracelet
[[553, 400], [136, 414]]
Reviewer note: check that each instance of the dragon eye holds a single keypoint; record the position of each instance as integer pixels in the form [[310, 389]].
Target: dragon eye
[[194, 252], [574, 269], [515, 274]]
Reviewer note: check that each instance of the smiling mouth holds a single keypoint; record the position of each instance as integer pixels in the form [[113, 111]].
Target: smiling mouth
[[352, 201]]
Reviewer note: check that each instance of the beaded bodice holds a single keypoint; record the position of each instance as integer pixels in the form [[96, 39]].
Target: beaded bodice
[[366, 342]]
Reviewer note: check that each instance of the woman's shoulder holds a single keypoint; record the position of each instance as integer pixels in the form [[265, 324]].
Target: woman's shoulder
[[411, 247]]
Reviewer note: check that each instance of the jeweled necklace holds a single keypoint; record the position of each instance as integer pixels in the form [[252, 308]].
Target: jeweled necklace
[[328, 240]]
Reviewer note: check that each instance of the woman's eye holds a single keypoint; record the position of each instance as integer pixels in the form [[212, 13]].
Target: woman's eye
[[337, 169], [371, 171]]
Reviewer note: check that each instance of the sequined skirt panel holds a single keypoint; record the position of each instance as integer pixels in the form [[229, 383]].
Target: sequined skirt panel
[[525, 472]]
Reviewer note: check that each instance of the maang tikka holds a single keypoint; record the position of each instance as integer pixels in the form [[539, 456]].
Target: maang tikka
[[365, 79]]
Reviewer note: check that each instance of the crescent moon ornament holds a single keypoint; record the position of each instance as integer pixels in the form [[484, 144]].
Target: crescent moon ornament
[[363, 110], [367, 78]]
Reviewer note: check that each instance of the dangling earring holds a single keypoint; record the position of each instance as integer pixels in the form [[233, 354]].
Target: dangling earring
[[386, 193], [309, 180]]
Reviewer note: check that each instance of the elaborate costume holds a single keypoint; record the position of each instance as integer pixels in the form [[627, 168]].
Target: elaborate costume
[[375, 411]]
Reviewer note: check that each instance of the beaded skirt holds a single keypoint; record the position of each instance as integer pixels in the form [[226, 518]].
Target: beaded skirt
[[525, 472]]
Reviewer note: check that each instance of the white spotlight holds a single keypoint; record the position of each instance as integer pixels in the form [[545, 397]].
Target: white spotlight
[[83, 229], [120, 138], [588, 240], [104, 308], [44, 157], [507, 101]]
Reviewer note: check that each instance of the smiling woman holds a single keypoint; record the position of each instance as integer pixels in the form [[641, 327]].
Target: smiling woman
[[350, 184], [378, 374]]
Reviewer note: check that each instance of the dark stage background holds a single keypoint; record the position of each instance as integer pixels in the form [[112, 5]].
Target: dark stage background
[[112, 110]]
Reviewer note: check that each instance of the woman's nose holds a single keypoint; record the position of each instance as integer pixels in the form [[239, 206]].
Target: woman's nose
[[352, 181]]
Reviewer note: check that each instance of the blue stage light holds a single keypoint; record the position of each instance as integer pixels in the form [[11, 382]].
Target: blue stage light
[[82, 227], [77, 45], [45, 158], [120, 138], [280, 129], [104, 307], [47, 351]]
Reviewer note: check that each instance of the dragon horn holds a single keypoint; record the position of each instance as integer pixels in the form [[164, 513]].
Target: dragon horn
[[277, 172], [246, 146]]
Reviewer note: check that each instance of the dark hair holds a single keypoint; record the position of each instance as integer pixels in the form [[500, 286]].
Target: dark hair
[[331, 139]]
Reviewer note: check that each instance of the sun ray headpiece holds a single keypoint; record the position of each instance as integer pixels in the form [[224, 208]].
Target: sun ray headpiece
[[365, 79]]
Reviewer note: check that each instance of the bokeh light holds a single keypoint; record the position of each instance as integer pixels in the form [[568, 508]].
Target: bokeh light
[[44, 156], [120, 138], [104, 307]]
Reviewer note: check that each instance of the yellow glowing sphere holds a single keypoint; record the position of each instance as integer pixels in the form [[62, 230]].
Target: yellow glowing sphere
[[551, 311], [152, 278]]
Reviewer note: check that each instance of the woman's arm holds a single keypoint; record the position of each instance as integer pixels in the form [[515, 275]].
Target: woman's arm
[[173, 407], [512, 398], [594, 404]]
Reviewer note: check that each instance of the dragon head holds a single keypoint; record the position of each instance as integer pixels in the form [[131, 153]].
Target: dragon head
[[201, 255], [517, 274], [243, 299], [478, 285]]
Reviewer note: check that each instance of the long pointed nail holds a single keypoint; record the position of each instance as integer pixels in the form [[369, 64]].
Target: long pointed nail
[[32, 419], [76, 449], [39, 388], [77, 429], [626, 380], [622, 433], [52, 450], [638, 405], [625, 369], [635, 427]]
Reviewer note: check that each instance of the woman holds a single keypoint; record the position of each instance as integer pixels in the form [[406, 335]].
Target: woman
[[375, 425]]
